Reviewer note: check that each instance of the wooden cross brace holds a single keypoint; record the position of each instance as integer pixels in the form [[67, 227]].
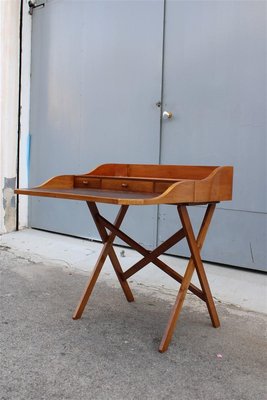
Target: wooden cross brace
[[195, 262]]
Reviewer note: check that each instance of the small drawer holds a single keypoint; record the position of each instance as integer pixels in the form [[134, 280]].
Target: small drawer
[[127, 185], [89, 183]]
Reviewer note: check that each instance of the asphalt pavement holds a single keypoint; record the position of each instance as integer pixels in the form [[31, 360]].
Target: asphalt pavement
[[112, 352]]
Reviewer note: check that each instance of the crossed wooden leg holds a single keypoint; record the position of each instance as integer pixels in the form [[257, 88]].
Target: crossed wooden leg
[[195, 262], [107, 250]]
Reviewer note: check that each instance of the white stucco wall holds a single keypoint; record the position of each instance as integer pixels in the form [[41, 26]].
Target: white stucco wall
[[9, 89], [9, 100]]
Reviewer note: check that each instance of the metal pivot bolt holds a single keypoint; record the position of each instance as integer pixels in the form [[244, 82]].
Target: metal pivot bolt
[[33, 4], [166, 115]]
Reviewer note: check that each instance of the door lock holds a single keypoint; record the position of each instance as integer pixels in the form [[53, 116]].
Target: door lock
[[167, 115]]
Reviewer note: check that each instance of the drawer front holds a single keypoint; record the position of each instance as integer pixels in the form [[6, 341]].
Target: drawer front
[[127, 185], [89, 183]]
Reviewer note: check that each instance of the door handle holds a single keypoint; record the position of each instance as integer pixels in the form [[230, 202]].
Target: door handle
[[167, 115]]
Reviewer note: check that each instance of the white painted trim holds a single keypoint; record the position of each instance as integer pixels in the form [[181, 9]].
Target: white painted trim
[[25, 113]]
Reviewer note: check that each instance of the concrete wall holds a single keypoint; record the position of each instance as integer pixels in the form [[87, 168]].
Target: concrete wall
[[9, 100]]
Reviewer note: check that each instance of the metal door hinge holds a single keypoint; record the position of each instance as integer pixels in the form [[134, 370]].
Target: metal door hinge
[[33, 4]]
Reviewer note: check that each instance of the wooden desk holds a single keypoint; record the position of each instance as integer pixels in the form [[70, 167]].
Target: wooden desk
[[138, 184]]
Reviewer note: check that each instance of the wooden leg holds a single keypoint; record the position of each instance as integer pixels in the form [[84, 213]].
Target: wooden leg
[[112, 255], [91, 283], [99, 264], [194, 262], [165, 341], [195, 247]]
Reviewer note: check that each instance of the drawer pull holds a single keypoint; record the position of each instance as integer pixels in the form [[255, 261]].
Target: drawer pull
[[85, 182], [124, 185]]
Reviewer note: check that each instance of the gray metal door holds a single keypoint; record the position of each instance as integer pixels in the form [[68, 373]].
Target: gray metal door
[[96, 79], [215, 86]]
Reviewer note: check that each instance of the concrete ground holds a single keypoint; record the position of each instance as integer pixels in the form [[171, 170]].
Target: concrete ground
[[111, 353]]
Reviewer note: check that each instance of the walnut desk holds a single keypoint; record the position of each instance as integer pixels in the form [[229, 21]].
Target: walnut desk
[[139, 185]]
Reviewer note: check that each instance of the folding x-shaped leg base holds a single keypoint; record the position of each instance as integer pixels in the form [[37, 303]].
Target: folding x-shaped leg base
[[195, 262]]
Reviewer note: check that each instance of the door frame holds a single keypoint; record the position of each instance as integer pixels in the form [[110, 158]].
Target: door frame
[[23, 150]]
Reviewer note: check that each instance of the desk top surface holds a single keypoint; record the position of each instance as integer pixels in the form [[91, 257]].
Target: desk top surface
[[141, 184]]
